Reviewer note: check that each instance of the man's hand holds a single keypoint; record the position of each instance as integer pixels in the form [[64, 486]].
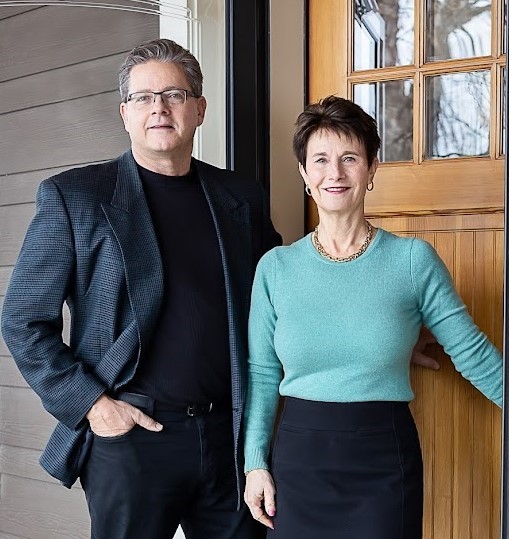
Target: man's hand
[[259, 496], [109, 417], [418, 356]]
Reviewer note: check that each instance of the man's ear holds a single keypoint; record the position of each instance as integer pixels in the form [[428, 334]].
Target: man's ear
[[123, 114], [202, 107]]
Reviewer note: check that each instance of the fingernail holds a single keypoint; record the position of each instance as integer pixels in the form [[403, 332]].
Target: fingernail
[[159, 426]]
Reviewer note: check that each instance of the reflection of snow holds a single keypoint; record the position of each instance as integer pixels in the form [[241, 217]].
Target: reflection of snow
[[405, 36], [459, 114], [471, 39]]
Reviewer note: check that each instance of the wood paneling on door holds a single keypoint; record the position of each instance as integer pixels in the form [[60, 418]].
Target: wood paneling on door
[[460, 429]]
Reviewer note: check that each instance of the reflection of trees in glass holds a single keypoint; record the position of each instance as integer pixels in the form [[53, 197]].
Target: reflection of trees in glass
[[384, 33], [384, 36], [458, 105], [458, 114], [458, 29], [390, 103]]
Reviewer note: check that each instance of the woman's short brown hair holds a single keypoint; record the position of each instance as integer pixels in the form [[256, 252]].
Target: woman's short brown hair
[[340, 116]]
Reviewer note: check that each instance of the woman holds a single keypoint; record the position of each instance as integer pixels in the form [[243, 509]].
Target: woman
[[334, 318]]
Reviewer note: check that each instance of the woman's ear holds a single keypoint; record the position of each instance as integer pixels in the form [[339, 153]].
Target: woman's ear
[[303, 173], [373, 168]]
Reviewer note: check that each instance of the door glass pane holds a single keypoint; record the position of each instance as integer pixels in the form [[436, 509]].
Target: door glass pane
[[458, 115], [391, 104], [383, 33], [460, 29]]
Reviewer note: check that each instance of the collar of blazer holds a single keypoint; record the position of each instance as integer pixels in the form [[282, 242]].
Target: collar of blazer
[[129, 217], [129, 187]]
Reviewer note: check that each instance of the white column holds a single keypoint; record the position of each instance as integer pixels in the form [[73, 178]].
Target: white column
[[287, 77], [177, 22]]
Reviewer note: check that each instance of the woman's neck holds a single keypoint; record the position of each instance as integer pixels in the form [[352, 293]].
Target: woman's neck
[[342, 236]]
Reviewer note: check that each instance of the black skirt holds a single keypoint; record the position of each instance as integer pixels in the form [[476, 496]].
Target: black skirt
[[347, 471]]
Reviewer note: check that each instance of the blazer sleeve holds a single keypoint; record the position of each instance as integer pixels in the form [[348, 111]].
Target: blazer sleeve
[[32, 320]]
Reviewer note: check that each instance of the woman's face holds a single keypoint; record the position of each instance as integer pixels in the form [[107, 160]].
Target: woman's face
[[337, 172]]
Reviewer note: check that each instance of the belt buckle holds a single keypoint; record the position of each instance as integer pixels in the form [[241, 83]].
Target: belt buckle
[[199, 409]]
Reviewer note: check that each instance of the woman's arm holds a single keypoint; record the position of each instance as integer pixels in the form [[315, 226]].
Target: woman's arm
[[446, 316], [264, 375], [265, 371]]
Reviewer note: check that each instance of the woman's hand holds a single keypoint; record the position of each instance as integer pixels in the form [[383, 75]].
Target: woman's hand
[[260, 496], [418, 355]]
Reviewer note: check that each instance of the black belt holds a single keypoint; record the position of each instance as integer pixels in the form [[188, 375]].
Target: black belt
[[148, 404]]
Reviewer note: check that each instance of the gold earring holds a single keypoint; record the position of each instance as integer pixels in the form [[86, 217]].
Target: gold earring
[[370, 186]]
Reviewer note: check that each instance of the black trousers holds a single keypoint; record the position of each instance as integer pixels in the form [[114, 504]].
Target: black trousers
[[142, 485], [347, 471]]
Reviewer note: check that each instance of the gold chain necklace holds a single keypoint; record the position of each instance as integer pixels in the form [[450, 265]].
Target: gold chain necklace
[[319, 247]]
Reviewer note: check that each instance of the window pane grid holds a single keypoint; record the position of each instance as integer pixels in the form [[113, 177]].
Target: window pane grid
[[472, 46]]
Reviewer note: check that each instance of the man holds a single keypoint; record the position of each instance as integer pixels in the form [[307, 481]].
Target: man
[[154, 254]]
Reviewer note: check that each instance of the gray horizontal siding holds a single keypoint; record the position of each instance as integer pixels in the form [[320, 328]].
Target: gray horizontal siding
[[62, 133], [21, 188], [9, 373], [59, 109], [70, 36], [23, 421], [4, 279], [61, 84], [22, 462], [34, 509], [13, 221], [6, 12]]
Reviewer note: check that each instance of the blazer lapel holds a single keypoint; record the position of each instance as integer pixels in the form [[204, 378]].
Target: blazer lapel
[[129, 217], [233, 228]]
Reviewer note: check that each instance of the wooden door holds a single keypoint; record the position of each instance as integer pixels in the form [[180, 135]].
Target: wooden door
[[431, 72]]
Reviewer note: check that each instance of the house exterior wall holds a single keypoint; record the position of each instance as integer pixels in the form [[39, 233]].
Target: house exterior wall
[[58, 109]]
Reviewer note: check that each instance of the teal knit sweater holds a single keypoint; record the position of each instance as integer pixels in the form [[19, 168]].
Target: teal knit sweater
[[344, 332]]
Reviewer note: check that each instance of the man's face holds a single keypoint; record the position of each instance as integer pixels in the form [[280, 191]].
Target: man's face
[[160, 131]]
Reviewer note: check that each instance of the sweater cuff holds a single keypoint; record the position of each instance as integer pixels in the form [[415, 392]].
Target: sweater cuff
[[255, 459]]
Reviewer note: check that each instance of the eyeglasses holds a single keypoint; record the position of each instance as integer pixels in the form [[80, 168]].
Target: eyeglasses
[[171, 98]]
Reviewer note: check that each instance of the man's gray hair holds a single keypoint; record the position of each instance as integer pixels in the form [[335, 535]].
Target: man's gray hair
[[161, 50]]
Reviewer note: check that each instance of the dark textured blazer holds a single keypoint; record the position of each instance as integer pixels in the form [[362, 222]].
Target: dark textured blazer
[[92, 244]]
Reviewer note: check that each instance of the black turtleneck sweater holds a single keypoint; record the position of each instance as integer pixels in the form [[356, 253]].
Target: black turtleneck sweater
[[189, 358]]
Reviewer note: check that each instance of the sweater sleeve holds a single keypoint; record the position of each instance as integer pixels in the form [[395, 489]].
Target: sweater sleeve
[[446, 316], [265, 371]]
